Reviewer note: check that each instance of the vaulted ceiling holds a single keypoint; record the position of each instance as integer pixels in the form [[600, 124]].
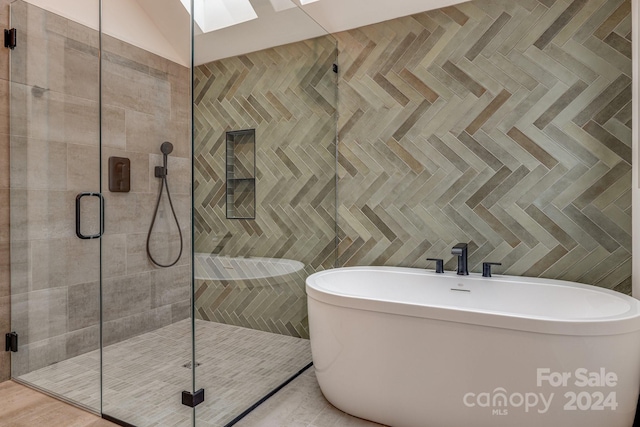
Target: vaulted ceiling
[[311, 20], [273, 28], [162, 26]]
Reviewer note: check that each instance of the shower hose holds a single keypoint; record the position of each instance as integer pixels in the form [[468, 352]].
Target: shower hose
[[166, 148]]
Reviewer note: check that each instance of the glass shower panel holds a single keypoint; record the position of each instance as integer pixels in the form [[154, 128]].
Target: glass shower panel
[[264, 198], [146, 112], [55, 149]]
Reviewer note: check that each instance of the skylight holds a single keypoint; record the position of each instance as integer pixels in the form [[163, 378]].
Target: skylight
[[280, 5], [211, 15]]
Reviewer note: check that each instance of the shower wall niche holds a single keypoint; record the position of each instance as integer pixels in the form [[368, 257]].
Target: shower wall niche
[[241, 174]]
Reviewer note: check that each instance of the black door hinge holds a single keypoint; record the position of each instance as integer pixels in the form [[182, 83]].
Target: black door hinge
[[10, 38], [335, 68], [192, 399], [11, 342]]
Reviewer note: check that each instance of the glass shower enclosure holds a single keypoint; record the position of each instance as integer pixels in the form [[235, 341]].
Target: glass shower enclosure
[[96, 89]]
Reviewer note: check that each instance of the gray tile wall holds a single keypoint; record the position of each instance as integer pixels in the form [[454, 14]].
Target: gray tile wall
[[505, 124], [146, 101], [55, 155], [5, 276]]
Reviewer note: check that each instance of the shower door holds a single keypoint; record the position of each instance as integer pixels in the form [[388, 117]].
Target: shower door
[[55, 201], [147, 357]]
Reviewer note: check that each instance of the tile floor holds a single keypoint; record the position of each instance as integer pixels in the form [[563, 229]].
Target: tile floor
[[301, 404], [144, 376]]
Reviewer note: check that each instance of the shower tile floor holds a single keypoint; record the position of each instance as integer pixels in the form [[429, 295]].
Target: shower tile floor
[[145, 375]]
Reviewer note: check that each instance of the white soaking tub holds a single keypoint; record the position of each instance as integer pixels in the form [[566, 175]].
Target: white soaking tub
[[411, 348]]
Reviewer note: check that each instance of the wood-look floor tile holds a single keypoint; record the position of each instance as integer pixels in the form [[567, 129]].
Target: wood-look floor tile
[[24, 407]]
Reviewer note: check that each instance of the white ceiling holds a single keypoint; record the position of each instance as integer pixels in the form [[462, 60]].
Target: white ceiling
[[162, 26], [278, 28], [340, 15]]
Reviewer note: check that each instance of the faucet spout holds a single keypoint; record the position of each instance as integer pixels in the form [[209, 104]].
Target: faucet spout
[[461, 251]]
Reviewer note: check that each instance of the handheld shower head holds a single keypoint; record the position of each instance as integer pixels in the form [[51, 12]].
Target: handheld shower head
[[166, 148], [161, 172]]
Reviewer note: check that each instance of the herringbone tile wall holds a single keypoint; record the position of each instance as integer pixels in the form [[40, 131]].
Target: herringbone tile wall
[[288, 94], [506, 124]]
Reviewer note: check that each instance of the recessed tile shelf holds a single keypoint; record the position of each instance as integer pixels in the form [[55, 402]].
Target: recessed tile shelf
[[240, 174]]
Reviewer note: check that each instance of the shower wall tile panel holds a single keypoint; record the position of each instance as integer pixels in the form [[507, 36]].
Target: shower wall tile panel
[[288, 95], [55, 155], [505, 124], [146, 101], [5, 258]]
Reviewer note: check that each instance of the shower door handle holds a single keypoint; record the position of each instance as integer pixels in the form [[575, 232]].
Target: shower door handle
[[78, 215]]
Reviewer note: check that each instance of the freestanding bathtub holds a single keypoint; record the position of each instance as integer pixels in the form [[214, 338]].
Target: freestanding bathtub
[[410, 348]]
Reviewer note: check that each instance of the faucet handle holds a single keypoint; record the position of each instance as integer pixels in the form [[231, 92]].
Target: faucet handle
[[486, 268], [439, 264]]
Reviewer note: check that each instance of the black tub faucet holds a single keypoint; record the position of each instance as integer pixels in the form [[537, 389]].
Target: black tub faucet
[[439, 264], [486, 268], [461, 251]]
